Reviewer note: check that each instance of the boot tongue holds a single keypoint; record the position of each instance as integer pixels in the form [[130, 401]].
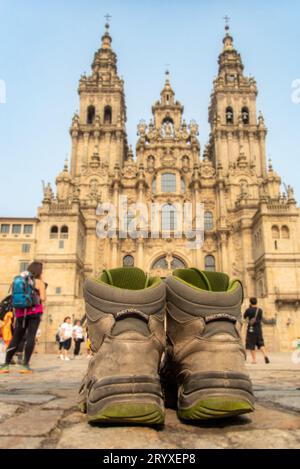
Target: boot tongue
[[194, 277], [128, 278], [205, 280], [218, 281]]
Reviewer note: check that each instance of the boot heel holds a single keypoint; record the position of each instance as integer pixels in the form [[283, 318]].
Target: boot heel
[[215, 395], [137, 400]]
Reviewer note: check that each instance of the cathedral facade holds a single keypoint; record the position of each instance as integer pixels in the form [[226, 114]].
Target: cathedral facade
[[250, 227]]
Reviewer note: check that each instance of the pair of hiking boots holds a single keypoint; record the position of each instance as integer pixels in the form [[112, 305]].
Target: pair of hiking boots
[[175, 343]]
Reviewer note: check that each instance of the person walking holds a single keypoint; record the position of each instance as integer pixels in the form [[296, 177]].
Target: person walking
[[65, 332], [27, 320], [78, 337], [254, 336]]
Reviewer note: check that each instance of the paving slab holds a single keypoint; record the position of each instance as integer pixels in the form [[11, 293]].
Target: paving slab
[[19, 442], [7, 410], [25, 398], [63, 404], [35, 422]]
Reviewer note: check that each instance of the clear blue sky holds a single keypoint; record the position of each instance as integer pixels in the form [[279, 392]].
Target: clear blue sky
[[45, 45]]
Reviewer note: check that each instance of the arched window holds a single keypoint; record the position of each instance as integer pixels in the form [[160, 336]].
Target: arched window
[[168, 182], [245, 115], [285, 232], [275, 232], [154, 185], [91, 114], [107, 115], [54, 232], [128, 261], [261, 289], [208, 221], [177, 263], [64, 232], [160, 263], [229, 115], [168, 218], [210, 263], [183, 186]]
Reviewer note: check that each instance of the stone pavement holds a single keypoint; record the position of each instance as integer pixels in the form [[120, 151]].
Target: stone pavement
[[39, 411]]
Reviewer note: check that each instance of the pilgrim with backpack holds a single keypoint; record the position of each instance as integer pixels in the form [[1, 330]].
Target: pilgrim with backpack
[[28, 293]]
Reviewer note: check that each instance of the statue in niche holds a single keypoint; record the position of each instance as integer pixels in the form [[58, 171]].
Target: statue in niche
[[151, 164], [185, 163], [244, 189], [94, 189], [168, 129]]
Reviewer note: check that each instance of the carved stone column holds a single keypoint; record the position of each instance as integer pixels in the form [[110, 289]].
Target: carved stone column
[[140, 253], [114, 254], [224, 252], [86, 137]]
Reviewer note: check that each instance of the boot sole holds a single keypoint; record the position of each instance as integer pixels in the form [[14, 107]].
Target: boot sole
[[215, 408], [136, 400], [217, 400], [130, 412]]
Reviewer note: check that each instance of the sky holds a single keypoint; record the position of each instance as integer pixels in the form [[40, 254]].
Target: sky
[[45, 46]]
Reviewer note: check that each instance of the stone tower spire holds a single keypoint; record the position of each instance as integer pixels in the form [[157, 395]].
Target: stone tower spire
[[230, 60], [105, 58], [233, 115], [167, 93]]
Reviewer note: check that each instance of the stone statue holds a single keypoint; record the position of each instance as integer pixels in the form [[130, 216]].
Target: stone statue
[[168, 129], [142, 128]]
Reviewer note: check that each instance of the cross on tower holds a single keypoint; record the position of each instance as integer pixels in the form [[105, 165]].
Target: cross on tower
[[167, 70], [227, 20]]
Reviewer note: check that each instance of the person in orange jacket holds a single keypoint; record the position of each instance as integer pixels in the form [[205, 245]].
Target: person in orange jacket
[[7, 328]]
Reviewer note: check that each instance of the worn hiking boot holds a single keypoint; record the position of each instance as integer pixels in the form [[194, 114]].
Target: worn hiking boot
[[125, 313], [205, 354]]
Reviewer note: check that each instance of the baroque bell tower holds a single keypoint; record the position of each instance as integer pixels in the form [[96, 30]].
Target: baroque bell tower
[[235, 129], [98, 131]]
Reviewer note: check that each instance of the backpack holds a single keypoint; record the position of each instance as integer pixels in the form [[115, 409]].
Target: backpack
[[23, 294], [5, 306], [57, 335]]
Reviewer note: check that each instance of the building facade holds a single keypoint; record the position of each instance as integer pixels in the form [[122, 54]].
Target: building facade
[[250, 227]]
